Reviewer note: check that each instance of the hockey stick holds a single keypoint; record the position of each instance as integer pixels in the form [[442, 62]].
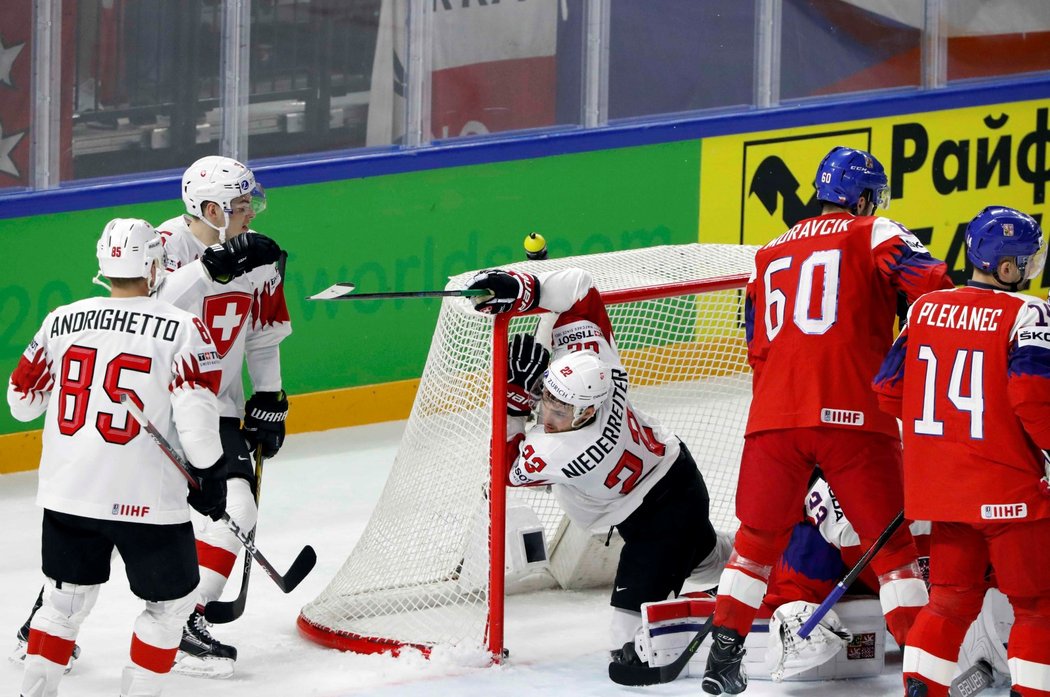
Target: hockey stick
[[974, 679], [222, 612], [345, 291], [303, 563], [622, 674], [848, 579]]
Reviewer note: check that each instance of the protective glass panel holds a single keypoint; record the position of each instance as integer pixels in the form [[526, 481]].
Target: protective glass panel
[[146, 85], [311, 68], [838, 46], [673, 55], [987, 38], [500, 66], [16, 40]]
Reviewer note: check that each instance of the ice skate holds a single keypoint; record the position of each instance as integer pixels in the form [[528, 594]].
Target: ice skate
[[202, 655], [725, 673]]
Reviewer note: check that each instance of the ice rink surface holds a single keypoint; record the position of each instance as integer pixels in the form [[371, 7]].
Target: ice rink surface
[[320, 491]]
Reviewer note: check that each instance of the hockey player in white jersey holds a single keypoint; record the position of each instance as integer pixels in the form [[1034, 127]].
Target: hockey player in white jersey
[[609, 463], [104, 483], [227, 275], [229, 280]]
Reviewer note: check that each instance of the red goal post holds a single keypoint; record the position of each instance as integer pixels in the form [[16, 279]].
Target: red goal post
[[429, 571]]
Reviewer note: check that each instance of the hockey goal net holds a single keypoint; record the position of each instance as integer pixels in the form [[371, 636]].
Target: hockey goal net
[[428, 571]]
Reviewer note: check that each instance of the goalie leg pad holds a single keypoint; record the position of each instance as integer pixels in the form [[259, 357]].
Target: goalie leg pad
[[669, 625], [708, 572], [983, 641]]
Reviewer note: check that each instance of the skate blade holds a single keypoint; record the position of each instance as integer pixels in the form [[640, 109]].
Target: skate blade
[[19, 653], [211, 668]]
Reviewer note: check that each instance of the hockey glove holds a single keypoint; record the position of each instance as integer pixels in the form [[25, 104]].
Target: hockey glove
[[526, 361], [237, 256], [210, 499], [510, 291], [264, 416]]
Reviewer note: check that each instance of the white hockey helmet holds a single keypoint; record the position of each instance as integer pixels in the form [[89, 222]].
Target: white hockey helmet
[[219, 180], [129, 248], [581, 379]]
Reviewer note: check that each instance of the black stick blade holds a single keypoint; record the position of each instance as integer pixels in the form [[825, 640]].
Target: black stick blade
[[300, 569], [637, 676], [220, 612]]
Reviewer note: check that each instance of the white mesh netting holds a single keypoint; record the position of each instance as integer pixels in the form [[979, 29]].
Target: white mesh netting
[[419, 573]]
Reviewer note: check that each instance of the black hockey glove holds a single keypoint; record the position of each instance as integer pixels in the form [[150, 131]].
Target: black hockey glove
[[511, 291], [249, 250], [526, 361], [264, 416], [210, 499]]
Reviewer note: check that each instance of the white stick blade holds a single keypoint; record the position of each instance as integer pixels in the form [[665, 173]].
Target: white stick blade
[[332, 292]]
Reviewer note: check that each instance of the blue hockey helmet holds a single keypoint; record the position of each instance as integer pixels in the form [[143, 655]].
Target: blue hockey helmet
[[998, 232], [846, 173]]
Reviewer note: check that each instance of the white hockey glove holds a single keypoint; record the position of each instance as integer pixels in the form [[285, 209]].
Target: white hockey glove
[[787, 654]]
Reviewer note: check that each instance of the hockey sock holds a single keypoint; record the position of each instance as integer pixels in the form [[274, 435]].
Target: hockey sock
[[52, 635], [1028, 651], [932, 648], [217, 546], [743, 583]]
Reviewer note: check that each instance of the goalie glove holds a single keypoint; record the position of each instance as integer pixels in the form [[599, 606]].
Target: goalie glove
[[237, 256], [787, 654], [526, 361], [510, 291]]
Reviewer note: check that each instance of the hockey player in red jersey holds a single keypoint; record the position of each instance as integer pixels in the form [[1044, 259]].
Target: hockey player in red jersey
[[609, 463], [104, 483], [970, 380], [227, 275], [820, 309]]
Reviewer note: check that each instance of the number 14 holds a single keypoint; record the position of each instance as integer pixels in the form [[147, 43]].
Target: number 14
[[973, 403]]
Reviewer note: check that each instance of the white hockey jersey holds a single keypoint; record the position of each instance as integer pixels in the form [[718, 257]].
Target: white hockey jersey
[[605, 469], [97, 462], [247, 317]]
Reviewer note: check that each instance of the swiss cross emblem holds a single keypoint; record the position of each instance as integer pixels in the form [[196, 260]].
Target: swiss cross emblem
[[224, 316]]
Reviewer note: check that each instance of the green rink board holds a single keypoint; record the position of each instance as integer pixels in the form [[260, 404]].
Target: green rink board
[[397, 232]]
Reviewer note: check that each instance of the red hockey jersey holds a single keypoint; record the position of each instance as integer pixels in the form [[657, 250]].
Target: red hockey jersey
[[970, 380], [820, 312]]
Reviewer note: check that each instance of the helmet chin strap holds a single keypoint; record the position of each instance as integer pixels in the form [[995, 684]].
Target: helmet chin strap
[[220, 230], [97, 280]]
